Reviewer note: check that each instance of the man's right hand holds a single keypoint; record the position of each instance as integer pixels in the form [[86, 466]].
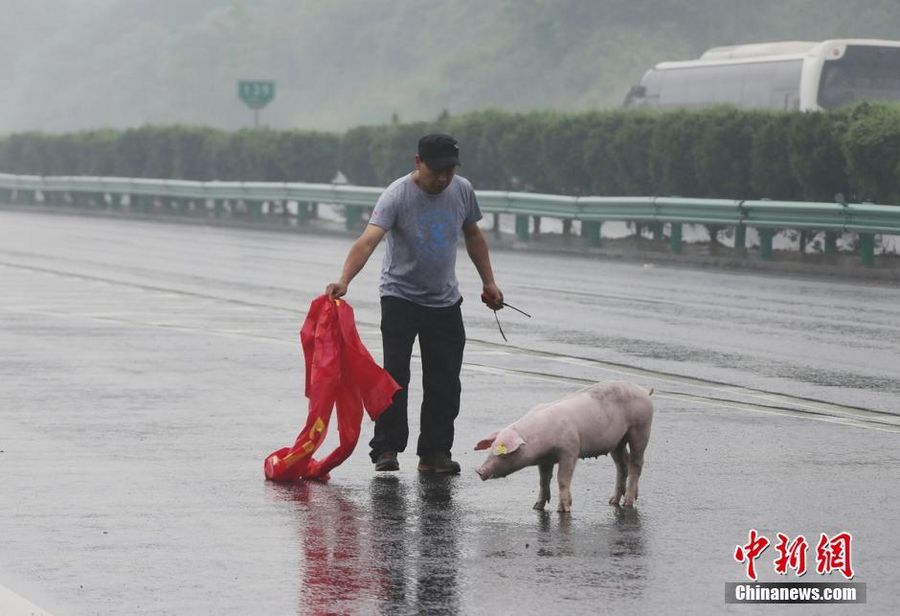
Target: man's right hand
[[336, 290], [492, 296]]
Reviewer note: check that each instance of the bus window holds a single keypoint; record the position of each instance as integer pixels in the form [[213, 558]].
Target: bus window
[[727, 84], [786, 86], [699, 85], [758, 80], [864, 73], [756, 85], [671, 88]]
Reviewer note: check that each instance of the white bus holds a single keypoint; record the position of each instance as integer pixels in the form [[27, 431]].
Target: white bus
[[794, 75]]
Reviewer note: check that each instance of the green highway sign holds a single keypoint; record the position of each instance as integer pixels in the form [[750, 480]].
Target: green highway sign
[[256, 94]]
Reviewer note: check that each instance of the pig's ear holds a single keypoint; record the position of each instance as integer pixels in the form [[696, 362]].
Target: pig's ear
[[486, 442], [507, 443]]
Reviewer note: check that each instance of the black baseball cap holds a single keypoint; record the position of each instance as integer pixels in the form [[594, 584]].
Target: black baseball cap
[[439, 151]]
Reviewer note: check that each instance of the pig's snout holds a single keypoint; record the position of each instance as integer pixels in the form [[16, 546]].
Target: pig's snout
[[492, 468]]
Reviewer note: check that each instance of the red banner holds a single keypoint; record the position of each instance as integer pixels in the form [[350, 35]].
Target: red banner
[[341, 374]]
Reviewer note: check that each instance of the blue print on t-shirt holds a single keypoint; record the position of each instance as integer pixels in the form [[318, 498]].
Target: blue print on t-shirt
[[435, 236]]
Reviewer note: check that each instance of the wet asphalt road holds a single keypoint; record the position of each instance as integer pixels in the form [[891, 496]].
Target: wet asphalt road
[[147, 369]]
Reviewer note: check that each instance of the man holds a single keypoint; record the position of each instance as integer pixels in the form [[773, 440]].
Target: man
[[422, 214]]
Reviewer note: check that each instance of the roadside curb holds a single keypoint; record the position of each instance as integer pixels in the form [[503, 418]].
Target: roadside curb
[[844, 267]]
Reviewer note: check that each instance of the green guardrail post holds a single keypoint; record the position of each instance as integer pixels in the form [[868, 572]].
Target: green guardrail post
[[354, 215], [255, 208], [657, 229], [831, 242], [867, 248], [536, 227], [522, 227], [218, 208], [740, 239], [303, 209], [765, 244], [590, 231], [675, 237], [567, 227]]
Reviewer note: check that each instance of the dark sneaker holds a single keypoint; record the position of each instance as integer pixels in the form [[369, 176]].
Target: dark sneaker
[[438, 463], [387, 462]]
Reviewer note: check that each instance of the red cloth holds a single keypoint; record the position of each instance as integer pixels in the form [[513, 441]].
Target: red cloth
[[339, 372]]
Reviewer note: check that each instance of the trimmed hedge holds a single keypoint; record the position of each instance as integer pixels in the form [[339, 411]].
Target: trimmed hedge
[[176, 152], [711, 153]]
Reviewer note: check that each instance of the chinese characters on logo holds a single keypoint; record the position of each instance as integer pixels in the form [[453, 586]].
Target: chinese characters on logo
[[832, 554]]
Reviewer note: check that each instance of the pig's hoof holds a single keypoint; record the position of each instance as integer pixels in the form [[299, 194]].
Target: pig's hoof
[[629, 501], [539, 506], [564, 507], [614, 499]]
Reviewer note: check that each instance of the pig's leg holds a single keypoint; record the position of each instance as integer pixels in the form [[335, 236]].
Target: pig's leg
[[546, 475], [564, 479], [620, 457], [637, 444]]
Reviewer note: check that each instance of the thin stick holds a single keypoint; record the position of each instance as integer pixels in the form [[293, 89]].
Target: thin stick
[[516, 309], [498, 326]]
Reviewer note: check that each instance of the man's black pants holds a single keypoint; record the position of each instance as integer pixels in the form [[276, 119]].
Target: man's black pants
[[442, 337]]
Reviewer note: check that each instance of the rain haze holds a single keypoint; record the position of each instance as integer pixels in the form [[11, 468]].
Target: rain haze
[[150, 360], [83, 64]]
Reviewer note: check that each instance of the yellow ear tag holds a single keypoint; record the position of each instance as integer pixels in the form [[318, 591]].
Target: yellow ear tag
[[500, 449]]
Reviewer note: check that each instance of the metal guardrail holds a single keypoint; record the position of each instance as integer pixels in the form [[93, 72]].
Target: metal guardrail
[[865, 219]]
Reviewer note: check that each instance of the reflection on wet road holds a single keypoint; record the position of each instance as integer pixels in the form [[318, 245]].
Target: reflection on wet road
[[400, 551], [397, 553]]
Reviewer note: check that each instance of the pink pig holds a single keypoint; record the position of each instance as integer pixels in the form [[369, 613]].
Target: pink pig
[[591, 422]]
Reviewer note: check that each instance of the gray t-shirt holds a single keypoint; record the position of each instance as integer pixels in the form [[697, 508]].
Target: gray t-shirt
[[422, 235]]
